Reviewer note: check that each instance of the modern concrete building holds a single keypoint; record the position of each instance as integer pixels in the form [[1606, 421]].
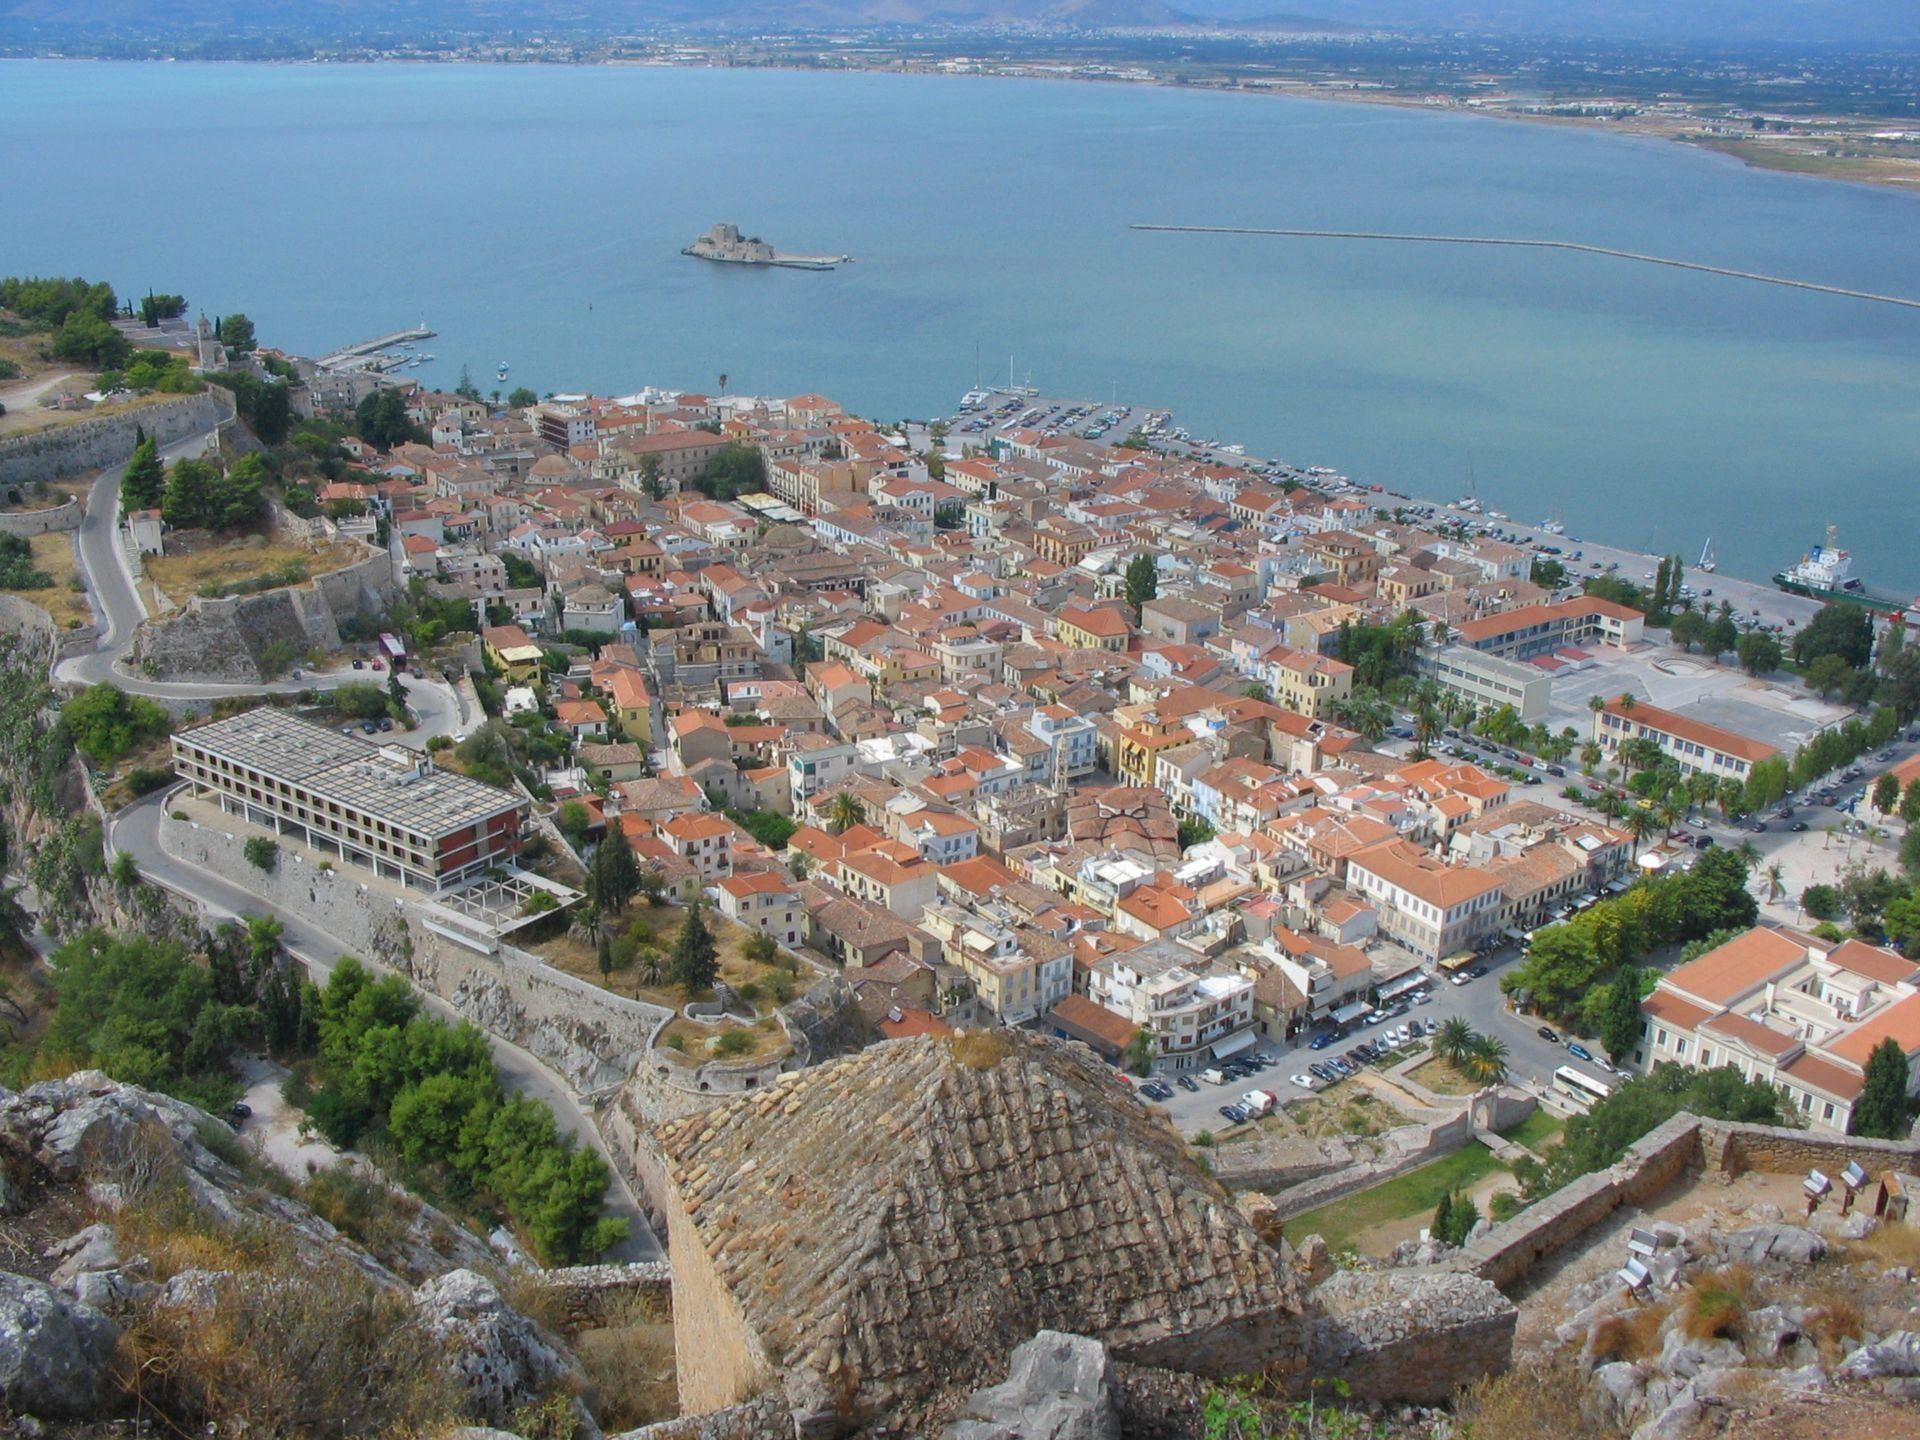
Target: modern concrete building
[[1483, 680], [378, 806]]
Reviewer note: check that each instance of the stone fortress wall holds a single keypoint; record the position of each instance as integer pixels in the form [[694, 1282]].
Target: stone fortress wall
[[28, 523], [104, 441]]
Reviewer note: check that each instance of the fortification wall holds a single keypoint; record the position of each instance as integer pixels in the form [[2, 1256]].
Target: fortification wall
[[592, 1038], [104, 441], [1730, 1148], [22, 617], [586, 1297], [1409, 1147], [28, 523], [764, 1418], [1408, 1336], [225, 639]]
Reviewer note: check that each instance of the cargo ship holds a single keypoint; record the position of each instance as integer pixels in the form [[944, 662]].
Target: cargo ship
[[1826, 573]]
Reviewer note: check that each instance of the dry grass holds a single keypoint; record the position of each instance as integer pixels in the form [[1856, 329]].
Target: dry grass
[[1716, 1305], [981, 1049], [30, 417], [1892, 1244], [573, 955], [630, 1366], [1549, 1397], [291, 1350], [1442, 1078], [234, 560], [1630, 1335], [1360, 1113], [688, 1042], [67, 606], [1834, 1319]]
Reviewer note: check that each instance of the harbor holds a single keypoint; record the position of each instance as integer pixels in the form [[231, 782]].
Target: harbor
[[383, 353]]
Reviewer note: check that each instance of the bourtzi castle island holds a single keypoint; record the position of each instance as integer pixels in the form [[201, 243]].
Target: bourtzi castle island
[[726, 244]]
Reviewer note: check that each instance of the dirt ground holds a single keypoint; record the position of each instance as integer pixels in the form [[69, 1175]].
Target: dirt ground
[[201, 560], [67, 606]]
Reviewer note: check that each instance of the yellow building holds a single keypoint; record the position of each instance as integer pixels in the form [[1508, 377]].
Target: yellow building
[[1083, 629], [511, 651]]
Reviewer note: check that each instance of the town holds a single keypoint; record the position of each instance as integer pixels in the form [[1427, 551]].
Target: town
[[1034, 792]]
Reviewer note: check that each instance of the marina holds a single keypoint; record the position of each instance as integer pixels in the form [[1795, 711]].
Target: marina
[[378, 353]]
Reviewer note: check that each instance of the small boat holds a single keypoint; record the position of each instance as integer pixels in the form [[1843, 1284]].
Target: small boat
[[501, 373], [1707, 564]]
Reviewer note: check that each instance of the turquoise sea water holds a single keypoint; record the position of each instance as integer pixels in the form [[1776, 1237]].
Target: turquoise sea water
[[535, 214]]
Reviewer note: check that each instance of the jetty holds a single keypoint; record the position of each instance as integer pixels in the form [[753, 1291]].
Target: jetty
[[725, 245], [1525, 244], [360, 356]]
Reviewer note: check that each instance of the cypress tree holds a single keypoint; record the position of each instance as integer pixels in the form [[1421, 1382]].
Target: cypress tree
[[695, 961], [1441, 1226], [145, 483], [1881, 1111]]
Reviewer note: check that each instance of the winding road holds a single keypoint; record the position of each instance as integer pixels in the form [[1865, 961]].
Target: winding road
[[135, 830]]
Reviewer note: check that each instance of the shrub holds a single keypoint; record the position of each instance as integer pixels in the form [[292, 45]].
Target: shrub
[[1504, 1205], [749, 992], [360, 1208], [732, 1042], [1629, 1335], [1204, 1140], [1717, 1303], [262, 853], [1548, 1397], [145, 779], [780, 987]]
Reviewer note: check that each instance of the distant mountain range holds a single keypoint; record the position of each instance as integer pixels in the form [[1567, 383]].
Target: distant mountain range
[[1838, 22]]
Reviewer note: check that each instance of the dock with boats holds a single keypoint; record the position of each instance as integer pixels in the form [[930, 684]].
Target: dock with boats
[[393, 351]]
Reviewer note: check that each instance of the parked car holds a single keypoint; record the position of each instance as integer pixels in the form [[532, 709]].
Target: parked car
[[1305, 1082], [359, 664], [1477, 971], [1186, 1082], [1798, 827], [1320, 1042], [1548, 1034], [1578, 1051]]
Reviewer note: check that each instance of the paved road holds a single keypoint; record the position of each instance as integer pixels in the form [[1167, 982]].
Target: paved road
[[136, 831], [110, 586]]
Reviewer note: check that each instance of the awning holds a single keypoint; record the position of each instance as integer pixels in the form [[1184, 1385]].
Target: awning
[[1401, 986], [1234, 1044], [1514, 933], [1347, 1013]]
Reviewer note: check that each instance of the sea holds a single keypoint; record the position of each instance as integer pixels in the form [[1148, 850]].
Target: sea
[[534, 215]]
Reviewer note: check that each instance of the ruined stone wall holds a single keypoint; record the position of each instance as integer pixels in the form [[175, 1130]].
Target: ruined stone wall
[[108, 440], [587, 1297], [1508, 1251], [27, 523], [1775, 1151], [22, 617], [717, 1359], [1408, 1148], [766, 1418], [1407, 1336]]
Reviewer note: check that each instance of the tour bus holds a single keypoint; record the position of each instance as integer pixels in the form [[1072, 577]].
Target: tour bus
[[393, 651], [1583, 1090], [1454, 964]]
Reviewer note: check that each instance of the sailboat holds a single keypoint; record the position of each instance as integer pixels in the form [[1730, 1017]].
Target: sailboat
[[1707, 564]]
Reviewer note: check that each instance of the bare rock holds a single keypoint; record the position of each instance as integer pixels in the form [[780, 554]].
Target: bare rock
[[1895, 1357], [1765, 1213], [1772, 1246], [54, 1352], [498, 1355], [1313, 1260], [1058, 1387], [1858, 1226], [83, 1252], [1683, 1358], [1675, 1422], [1623, 1387]]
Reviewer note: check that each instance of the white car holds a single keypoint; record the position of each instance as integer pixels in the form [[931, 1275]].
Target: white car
[[1305, 1082], [1402, 1034], [1421, 997]]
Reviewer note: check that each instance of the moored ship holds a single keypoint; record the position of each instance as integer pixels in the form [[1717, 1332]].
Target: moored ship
[[1826, 573]]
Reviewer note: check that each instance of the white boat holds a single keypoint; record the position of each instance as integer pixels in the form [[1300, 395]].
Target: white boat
[[1552, 527], [501, 373], [1707, 564]]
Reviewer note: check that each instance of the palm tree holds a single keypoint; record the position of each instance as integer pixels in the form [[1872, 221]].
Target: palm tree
[[845, 812], [723, 382], [1641, 822], [1669, 810], [1453, 1041], [1776, 879], [1486, 1059]]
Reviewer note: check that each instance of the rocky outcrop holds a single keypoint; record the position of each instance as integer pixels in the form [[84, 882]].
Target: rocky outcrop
[[54, 1352], [1058, 1387], [499, 1357], [1772, 1246], [1895, 1358]]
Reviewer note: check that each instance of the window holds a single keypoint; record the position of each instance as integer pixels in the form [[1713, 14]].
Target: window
[[1826, 1111]]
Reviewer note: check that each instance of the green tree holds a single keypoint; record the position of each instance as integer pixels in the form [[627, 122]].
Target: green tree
[[1453, 1041], [1620, 1021], [1822, 902], [236, 333], [144, 485], [1689, 629], [1886, 793], [1139, 1052], [1142, 582], [1910, 803], [1838, 629], [107, 723], [381, 419], [1486, 1059], [616, 875], [88, 340], [520, 397], [695, 964], [1882, 1111], [1722, 635], [845, 811], [574, 822], [1760, 654], [737, 469], [1827, 673], [1441, 1226], [261, 853]]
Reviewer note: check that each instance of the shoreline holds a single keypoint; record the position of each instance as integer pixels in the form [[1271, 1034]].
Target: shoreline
[[1750, 150]]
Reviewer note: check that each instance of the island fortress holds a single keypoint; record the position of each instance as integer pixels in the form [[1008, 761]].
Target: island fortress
[[726, 244]]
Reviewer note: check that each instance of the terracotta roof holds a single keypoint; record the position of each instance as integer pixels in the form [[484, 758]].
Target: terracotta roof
[[1420, 875], [1744, 963], [1874, 963], [1712, 737], [1899, 1021], [1823, 1075], [1670, 1010], [1760, 1039], [1081, 1017]]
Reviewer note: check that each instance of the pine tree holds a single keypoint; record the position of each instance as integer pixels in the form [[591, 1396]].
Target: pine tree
[[1881, 1111], [1620, 1021], [695, 964], [616, 875], [144, 484]]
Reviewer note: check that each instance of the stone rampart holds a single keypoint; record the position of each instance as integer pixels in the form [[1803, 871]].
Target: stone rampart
[[226, 639], [1508, 1251], [28, 523], [1772, 1150], [23, 617], [103, 441], [765, 1418], [592, 1038]]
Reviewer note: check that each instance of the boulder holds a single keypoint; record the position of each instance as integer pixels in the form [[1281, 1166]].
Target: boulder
[[1313, 1260], [1766, 1213], [54, 1352], [1896, 1357], [1058, 1387], [1623, 1388], [1675, 1422], [1772, 1245], [84, 1252], [1858, 1226], [1666, 1233], [1771, 1330], [498, 1356], [1684, 1358]]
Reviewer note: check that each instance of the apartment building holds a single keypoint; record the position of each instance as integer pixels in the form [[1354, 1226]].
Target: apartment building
[[764, 902], [1486, 680], [382, 807], [1194, 1012], [1784, 1007]]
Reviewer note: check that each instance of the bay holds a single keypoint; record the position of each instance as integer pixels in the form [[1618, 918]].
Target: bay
[[535, 215]]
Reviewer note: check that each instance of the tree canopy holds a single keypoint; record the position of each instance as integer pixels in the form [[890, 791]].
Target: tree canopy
[[201, 495], [107, 723], [381, 419], [144, 485]]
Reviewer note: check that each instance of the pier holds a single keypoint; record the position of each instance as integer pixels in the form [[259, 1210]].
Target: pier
[[346, 356], [1574, 245]]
